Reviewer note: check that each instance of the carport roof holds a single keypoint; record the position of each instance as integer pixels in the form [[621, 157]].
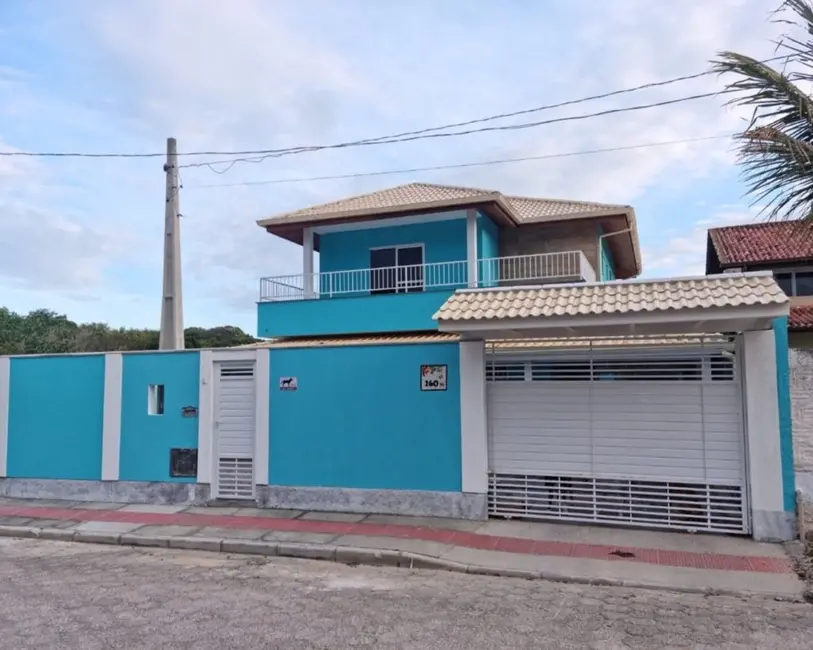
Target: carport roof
[[728, 302]]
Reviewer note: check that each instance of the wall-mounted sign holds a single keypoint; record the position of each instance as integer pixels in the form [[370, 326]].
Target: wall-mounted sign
[[433, 377], [287, 383], [189, 411]]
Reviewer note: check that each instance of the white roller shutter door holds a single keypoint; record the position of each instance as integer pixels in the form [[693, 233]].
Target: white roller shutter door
[[643, 438]]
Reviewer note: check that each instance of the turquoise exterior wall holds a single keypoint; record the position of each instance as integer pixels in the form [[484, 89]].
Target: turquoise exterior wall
[[397, 312], [146, 439], [780, 328], [488, 248], [56, 410], [606, 263], [444, 241], [345, 305], [359, 419]]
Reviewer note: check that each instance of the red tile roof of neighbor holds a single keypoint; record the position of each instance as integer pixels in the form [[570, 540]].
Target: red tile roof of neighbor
[[801, 318], [773, 241]]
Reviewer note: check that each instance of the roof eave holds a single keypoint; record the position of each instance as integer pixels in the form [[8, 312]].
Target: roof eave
[[769, 261], [426, 206]]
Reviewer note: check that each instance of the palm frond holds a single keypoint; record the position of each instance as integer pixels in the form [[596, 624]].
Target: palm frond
[[776, 148], [778, 170]]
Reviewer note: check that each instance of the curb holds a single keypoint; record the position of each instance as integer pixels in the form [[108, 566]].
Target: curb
[[349, 555]]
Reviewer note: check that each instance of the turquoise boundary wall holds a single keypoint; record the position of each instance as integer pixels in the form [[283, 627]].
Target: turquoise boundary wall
[[56, 410], [780, 328], [359, 419], [146, 439]]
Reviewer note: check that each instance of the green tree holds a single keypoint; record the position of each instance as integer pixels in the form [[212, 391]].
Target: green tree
[[776, 149], [46, 332]]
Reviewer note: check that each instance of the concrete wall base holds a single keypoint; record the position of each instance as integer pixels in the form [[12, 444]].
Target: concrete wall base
[[773, 526], [106, 491], [459, 505]]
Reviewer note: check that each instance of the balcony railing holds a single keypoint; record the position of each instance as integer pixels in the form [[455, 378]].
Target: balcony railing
[[567, 266]]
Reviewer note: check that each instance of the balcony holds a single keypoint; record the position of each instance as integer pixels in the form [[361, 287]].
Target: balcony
[[568, 266], [396, 299]]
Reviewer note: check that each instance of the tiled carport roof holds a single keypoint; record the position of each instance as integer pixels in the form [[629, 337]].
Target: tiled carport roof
[[719, 291]]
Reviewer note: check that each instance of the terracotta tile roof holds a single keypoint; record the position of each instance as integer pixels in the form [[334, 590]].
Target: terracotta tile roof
[[426, 194], [613, 298], [801, 317], [773, 241]]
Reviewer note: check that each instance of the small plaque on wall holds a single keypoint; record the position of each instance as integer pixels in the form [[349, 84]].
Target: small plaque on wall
[[183, 463], [433, 377], [287, 383], [189, 411]]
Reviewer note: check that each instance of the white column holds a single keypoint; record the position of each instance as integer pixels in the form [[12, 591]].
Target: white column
[[205, 417], [262, 372], [763, 437], [473, 425], [111, 418], [5, 395], [471, 246], [307, 261]]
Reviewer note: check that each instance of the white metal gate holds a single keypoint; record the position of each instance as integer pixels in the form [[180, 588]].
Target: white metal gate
[[649, 438], [234, 401]]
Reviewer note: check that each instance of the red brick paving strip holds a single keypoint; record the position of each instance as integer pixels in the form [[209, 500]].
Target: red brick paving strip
[[686, 559]]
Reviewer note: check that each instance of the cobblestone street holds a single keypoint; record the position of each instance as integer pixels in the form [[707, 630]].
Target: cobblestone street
[[62, 595]]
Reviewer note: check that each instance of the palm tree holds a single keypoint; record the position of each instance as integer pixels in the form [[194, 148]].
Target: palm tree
[[776, 149]]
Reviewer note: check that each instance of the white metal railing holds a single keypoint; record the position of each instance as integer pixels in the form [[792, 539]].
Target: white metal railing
[[567, 266], [564, 266]]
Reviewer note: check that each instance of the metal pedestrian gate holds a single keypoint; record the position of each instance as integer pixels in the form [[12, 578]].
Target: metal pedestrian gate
[[234, 399]]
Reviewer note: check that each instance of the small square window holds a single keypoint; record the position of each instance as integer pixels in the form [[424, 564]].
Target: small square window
[[155, 399]]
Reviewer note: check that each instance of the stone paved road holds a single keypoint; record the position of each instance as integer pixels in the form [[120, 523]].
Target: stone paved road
[[60, 595]]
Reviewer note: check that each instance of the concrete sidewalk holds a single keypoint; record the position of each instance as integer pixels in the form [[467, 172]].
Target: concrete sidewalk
[[588, 554]]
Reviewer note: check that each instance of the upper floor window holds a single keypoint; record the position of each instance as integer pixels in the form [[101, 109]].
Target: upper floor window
[[396, 269], [795, 283]]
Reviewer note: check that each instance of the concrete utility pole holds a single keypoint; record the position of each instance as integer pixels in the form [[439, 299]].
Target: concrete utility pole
[[171, 336]]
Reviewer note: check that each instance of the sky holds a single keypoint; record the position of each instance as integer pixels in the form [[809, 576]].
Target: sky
[[84, 236]]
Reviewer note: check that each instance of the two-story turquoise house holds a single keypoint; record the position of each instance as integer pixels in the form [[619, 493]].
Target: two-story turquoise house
[[456, 352], [388, 260]]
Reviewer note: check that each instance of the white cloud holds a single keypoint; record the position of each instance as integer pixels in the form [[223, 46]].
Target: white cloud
[[684, 254], [41, 247], [254, 74]]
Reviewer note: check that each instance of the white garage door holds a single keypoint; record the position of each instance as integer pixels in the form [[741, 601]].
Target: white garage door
[[651, 439]]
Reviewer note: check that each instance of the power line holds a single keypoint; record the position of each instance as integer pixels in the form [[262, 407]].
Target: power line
[[654, 84], [484, 163], [398, 137], [510, 127]]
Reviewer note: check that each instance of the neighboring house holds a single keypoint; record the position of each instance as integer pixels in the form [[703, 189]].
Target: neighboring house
[[785, 249], [457, 352]]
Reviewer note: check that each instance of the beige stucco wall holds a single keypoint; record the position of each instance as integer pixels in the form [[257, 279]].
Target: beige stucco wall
[[552, 238]]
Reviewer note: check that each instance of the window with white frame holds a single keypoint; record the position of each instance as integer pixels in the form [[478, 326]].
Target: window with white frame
[[396, 269], [155, 399], [795, 282]]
